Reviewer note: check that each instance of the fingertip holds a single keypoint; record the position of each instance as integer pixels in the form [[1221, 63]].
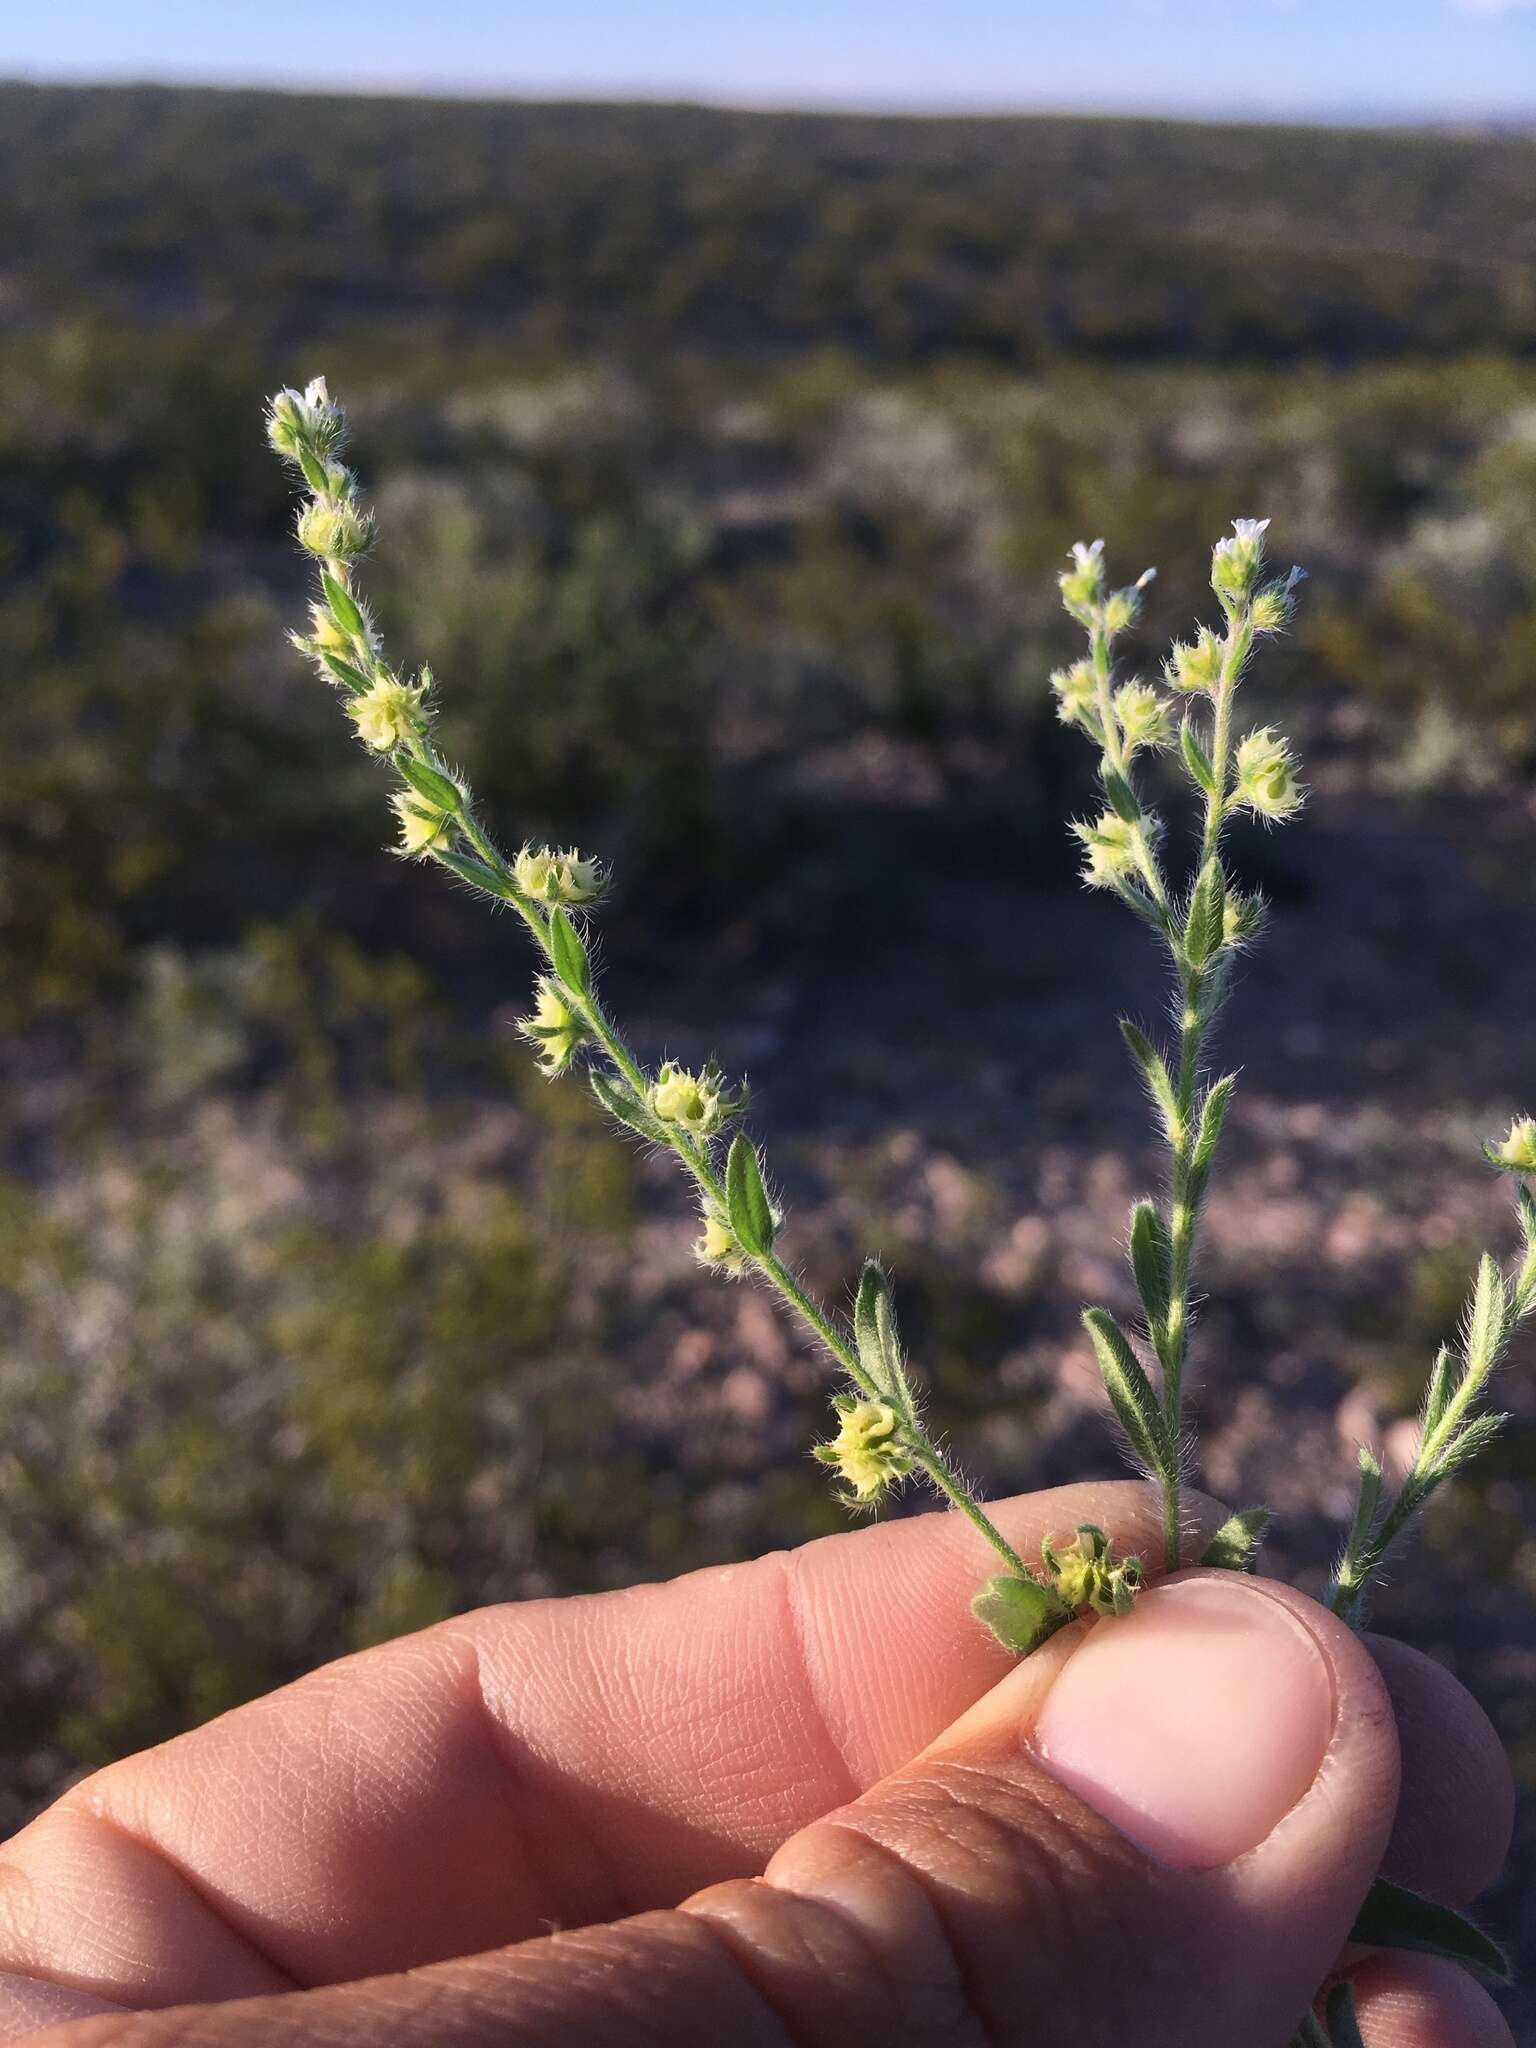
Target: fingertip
[[1456, 1814], [1421, 2002]]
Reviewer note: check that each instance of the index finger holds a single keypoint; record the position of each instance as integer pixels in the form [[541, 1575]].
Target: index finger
[[520, 1768]]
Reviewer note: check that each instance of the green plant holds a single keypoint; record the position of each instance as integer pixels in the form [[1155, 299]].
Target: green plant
[[1204, 923]]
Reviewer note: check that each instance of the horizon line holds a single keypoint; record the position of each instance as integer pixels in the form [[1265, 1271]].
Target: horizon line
[[1341, 114]]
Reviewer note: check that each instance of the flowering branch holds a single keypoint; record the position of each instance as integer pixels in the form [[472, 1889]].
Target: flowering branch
[[881, 1438], [1203, 931]]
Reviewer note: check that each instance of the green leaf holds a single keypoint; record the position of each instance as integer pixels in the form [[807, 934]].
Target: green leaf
[[1394, 1917], [431, 783], [1207, 911], [1130, 1391], [622, 1103], [1343, 2026], [473, 871], [569, 954], [1366, 1504], [1437, 1393], [1469, 1442], [1152, 1261], [314, 471], [1212, 1110], [1153, 1071], [1021, 1613], [1487, 1313], [1196, 760], [874, 1329], [1121, 796], [745, 1199], [344, 672], [1527, 1207], [343, 605], [1235, 1546]]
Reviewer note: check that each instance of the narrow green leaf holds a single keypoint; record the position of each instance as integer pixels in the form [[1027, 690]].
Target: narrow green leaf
[[879, 1345], [1437, 1393], [1153, 1071], [569, 954], [1527, 1207], [1469, 1442], [1196, 760], [1152, 1261], [1212, 1110], [621, 1103], [1019, 1612], [429, 782], [344, 672], [343, 605], [1487, 1313], [1235, 1546], [473, 871], [745, 1199], [1121, 796], [1207, 910], [314, 471], [1366, 1503], [1394, 1917], [1343, 2026], [1130, 1391]]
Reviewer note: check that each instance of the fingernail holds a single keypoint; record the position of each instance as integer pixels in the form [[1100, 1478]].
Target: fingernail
[[1195, 1723]]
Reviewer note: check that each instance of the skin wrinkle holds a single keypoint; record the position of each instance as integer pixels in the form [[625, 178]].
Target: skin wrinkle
[[527, 1810], [724, 1940], [112, 1826], [916, 1880], [1048, 1865], [813, 1695], [795, 1910]]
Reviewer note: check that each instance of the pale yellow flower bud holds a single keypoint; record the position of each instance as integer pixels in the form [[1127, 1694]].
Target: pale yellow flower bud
[[1110, 844], [867, 1450], [1265, 775], [1517, 1153], [335, 532], [1197, 667], [423, 826], [716, 1246], [554, 1028], [1076, 692], [552, 877], [695, 1102], [1143, 717], [387, 715]]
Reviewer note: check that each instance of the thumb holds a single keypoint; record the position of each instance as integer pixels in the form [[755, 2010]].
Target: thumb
[[1157, 1830], [1154, 1830]]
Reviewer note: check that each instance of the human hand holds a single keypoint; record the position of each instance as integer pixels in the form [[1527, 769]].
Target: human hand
[[801, 1801]]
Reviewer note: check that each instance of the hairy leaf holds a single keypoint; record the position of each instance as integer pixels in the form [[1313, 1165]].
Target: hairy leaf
[[1019, 1612], [569, 953], [1205, 922], [343, 605], [1152, 1261], [879, 1346], [746, 1200], [1130, 1391], [1235, 1546]]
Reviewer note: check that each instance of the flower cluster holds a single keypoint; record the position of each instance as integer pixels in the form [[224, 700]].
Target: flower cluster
[[695, 1103], [867, 1450]]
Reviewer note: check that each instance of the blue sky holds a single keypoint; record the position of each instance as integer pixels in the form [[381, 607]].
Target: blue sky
[[1210, 57]]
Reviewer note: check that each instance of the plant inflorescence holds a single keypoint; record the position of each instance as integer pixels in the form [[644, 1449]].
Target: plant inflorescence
[[1199, 914]]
